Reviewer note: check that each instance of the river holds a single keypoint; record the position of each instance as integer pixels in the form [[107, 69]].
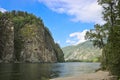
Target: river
[[40, 71]]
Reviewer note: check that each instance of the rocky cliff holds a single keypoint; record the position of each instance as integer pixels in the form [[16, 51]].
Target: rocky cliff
[[82, 52], [6, 39], [24, 38]]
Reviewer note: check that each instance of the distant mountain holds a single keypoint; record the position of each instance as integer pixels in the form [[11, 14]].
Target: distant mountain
[[82, 52]]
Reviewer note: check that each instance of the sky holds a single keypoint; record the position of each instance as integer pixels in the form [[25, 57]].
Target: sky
[[68, 20]]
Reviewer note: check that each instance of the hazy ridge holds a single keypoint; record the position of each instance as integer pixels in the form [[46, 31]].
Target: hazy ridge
[[82, 52]]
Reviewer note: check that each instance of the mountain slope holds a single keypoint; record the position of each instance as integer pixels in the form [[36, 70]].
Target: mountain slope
[[83, 52]]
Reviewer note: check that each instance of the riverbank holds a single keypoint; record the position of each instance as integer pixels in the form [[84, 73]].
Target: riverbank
[[100, 75]]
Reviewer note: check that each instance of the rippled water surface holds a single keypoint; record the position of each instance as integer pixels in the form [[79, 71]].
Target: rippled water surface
[[40, 71]]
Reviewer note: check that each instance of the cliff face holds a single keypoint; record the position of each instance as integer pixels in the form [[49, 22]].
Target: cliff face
[[27, 40], [6, 40]]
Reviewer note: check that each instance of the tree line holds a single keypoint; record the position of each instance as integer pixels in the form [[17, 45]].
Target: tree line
[[107, 36]]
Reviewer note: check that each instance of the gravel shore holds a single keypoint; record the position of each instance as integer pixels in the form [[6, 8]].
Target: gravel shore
[[100, 75]]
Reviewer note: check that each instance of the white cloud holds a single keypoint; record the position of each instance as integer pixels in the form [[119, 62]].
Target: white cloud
[[2, 10], [76, 37], [81, 10]]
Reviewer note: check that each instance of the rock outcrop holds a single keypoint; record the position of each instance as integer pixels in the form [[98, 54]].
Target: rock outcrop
[[24, 38]]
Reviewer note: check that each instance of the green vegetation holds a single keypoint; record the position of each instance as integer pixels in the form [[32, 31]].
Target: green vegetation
[[60, 56], [96, 59], [110, 59], [98, 35]]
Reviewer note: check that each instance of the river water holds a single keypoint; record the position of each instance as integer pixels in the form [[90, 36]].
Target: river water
[[41, 71]]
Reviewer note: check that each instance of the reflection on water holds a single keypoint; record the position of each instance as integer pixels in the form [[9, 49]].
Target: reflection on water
[[40, 71]]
